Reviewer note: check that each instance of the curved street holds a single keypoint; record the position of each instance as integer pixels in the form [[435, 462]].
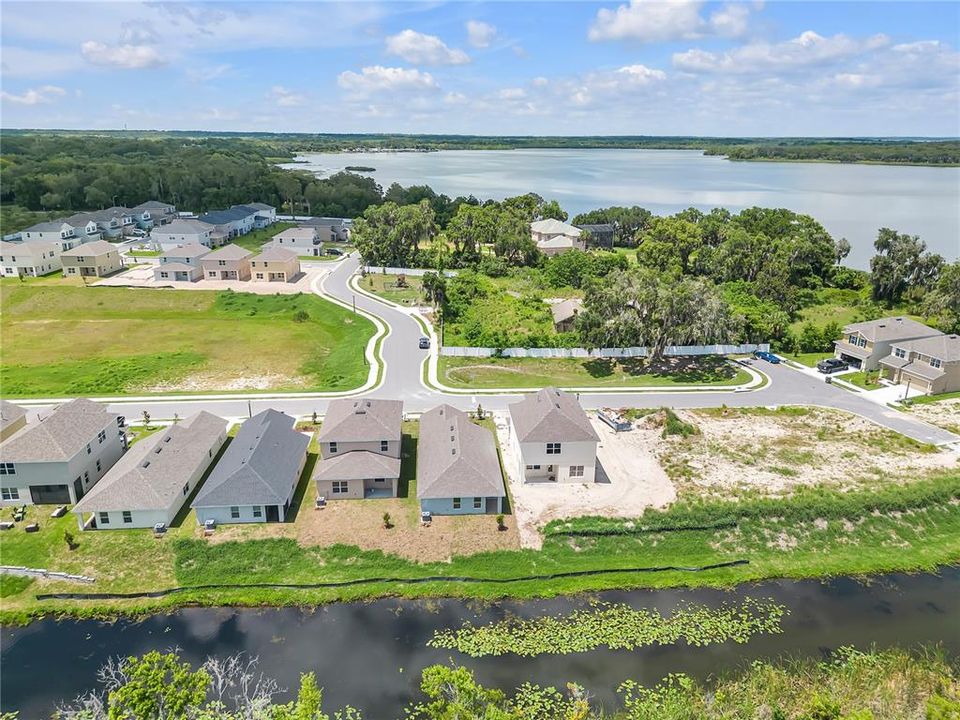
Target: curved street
[[402, 378]]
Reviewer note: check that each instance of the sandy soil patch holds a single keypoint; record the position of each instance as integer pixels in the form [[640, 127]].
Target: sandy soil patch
[[740, 450], [945, 414], [201, 382], [630, 479]]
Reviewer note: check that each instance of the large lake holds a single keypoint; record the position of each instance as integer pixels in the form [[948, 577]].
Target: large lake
[[852, 201]]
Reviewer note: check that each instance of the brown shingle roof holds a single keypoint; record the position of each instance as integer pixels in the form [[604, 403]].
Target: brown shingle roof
[[945, 348], [97, 247], [228, 252], [363, 420]]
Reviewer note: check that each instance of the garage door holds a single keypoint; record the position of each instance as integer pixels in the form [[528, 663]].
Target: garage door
[[50, 494]]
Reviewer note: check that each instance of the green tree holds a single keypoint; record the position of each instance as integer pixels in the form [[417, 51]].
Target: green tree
[[454, 694], [670, 244], [157, 687], [943, 301], [901, 262]]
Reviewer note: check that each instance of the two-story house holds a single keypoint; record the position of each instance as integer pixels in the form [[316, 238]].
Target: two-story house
[[554, 237], [95, 259], [302, 240], [265, 214], [151, 483], [553, 438], [55, 231], [257, 477], [275, 264], [84, 227], [184, 231], [865, 344], [59, 458], [181, 264], [31, 259], [232, 222], [931, 365], [153, 213], [360, 449], [231, 262], [328, 229], [113, 222]]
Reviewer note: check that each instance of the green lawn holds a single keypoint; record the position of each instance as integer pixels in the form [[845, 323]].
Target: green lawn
[[821, 532], [144, 253], [926, 399], [60, 339], [808, 359], [576, 372], [386, 287], [258, 238], [864, 380]]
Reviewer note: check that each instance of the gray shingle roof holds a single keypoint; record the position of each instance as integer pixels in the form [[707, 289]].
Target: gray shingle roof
[[190, 250], [566, 310], [260, 206], [296, 233], [945, 348], [183, 226], [274, 253], [50, 226], [551, 415], [9, 414], [363, 420], [151, 475], [890, 328], [260, 467], [222, 217], [97, 247], [153, 205], [174, 267], [228, 252], [456, 458], [357, 465], [59, 436]]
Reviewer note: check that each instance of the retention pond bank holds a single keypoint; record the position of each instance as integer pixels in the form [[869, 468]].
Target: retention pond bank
[[370, 655]]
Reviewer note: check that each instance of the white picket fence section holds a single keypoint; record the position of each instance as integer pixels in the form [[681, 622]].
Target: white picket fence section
[[413, 272], [630, 352]]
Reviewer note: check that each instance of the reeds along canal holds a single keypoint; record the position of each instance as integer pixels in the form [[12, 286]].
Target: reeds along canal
[[370, 655]]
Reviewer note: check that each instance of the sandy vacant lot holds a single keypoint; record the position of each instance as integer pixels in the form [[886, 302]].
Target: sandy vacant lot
[[142, 276], [630, 481], [944, 413], [772, 451]]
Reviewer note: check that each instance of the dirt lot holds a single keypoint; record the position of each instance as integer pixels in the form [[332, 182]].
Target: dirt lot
[[142, 276], [773, 451], [631, 480], [945, 413]]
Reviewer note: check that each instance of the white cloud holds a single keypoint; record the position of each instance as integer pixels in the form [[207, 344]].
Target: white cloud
[[34, 96], [664, 20], [808, 48], [454, 98], [423, 49], [378, 78], [206, 74], [513, 93], [128, 57], [480, 34], [285, 97], [641, 74]]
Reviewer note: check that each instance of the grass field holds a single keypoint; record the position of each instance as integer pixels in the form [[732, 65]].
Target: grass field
[[863, 379], [60, 339], [386, 287], [258, 238], [808, 359], [575, 372], [895, 528]]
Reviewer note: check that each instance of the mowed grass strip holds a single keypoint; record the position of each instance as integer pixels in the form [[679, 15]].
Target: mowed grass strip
[[467, 372], [61, 340]]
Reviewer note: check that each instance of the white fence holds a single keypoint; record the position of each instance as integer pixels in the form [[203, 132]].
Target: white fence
[[413, 272], [631, 352], [39, 572]]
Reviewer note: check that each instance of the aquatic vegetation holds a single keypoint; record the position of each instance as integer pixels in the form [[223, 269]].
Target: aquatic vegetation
[[616, 626]]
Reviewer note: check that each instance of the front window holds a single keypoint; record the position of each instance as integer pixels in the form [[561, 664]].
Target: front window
[[127, 516], [899, 352], [186, 488], [104, 518], [10, 493], [456, 503], [333, 447], [477, 503], [234, 512], [101, 436], [576, 471], [8, 469], [935, 362], [553, 448], [384, 446], [533, 467], [257, 511], [339, 487]]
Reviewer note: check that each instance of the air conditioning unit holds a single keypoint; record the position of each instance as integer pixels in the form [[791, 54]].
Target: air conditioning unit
[[552, 478], [426, 517]]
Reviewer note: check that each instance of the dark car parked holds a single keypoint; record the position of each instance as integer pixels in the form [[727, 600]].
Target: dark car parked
[[424, 343], [832, 365], [768, 356], [334, 251]]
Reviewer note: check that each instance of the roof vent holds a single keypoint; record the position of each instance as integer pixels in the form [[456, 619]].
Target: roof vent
[[453, 451], [146, 464]]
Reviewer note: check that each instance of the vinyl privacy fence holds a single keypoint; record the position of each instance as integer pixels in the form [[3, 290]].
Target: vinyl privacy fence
[[630, 352]]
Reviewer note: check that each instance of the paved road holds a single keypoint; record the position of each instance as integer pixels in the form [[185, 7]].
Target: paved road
[[404, 368]]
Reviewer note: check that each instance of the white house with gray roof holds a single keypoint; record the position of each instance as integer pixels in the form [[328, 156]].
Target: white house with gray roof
[[184, 231], [360, 449], [458, 468], [257, 477], [181, 264], [865, 344], [152, 482], [29, 259], [153, 213], [553, 438], [54, 231], [58, 459], [302, 240]]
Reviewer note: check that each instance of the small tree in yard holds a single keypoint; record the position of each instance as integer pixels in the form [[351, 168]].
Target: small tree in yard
[[386, 521], [314, 417], [479, 411], [301, 316], [500, 525], [69, 540], [146, 420]]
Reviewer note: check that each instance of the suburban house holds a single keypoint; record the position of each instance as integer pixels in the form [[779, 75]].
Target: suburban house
[[183, 231], [328, 229], [266, 214], [257, 476], [153, 213], [458, 469], [231, 262], [96, 259], [565, 314], [865, 344], [29, 258], [930, 364], [150, 484], [554, 237], [112, 222], [84, 227], [553, 438], [12, 418], [55, 231], [600, 235], [303, 240], [360, 449], [275, 264], [181, 264], [234, 221], [56, 460]]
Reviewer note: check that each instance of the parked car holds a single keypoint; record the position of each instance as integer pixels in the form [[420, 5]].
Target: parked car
[[138, 233], [424, 343], [334, 251], [768, 356], [832, 365]]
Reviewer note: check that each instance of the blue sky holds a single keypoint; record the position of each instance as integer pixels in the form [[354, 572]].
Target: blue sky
[[656, 68]]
